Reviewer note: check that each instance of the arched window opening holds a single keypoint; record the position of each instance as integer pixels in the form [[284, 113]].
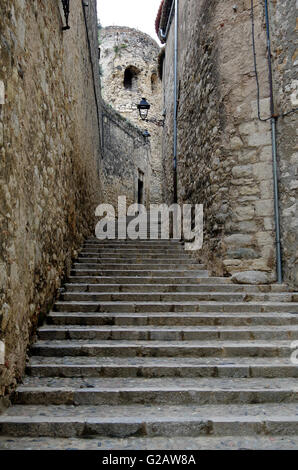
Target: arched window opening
[[131, 78]]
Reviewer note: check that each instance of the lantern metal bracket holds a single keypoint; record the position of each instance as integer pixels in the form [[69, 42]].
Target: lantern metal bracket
[[65, 4]]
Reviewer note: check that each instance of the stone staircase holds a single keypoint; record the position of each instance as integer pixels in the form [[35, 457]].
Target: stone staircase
[[144, 350]]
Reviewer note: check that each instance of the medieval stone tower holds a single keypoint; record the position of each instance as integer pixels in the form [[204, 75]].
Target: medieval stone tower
[[129, 64]]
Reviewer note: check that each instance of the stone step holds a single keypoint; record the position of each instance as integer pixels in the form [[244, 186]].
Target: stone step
[[146, 244], [126, 252], [206, 287], [256, 348], [173, 272], [158, 260], [143, 343], [175, 296], [169, 333], [224, 442], [138, 242], [159, 256], [150, 367], [163, 421], [176, 391], [172, 319], [183, 306], [136, 266], [147, 280], [132, 261]]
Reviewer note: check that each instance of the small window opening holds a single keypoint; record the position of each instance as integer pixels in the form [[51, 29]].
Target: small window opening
[[131, 78]]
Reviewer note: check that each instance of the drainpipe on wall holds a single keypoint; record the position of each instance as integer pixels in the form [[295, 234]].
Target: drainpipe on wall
[[274, 154]]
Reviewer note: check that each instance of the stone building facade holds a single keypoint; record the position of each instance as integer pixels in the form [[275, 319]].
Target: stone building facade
[[284, 32], [224, 150], [126, 164], [129, 64], [50, 159]]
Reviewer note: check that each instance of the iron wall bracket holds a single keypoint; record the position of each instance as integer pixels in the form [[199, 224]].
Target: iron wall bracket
[[65, 4]]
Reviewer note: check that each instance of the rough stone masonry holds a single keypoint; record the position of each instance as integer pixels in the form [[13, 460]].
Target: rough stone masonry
[[49, 161], [129, 63], [225, 152]]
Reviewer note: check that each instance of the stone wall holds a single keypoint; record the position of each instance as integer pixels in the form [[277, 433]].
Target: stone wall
[[49, 161], [125, 155], [124, 48], [284, 28], [224, 151]]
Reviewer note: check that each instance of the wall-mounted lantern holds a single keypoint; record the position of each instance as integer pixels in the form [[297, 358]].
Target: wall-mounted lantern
[[143, 108], [146, 136], [65, 4]]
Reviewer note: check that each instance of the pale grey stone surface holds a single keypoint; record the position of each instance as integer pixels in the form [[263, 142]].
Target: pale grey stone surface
[[132, 364], [251, 277]]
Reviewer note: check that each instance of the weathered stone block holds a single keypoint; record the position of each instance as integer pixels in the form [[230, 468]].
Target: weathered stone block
[[242, 171], [269, 223], [231, 262], [244, 213], [243, 253], [236, 143], [264, 208], [265, 238], [247, 128], [247, 226], [266, 154], [259, 139], [238, 240], [250, 277], [262, 171]]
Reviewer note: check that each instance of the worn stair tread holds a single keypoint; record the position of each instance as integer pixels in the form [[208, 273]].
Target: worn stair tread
[[168, 328], [122, 413], [138, 241], [172, 318], [135, 266], [168, 333], [169, 383], [163, 348], [95, 259], [135, 249], [84, 256], [141, 279], [290, 305], [138, 271], [169, 344], [268, 442], [174, 306], [84, 366], [215, 314], [115, 361], [264, 289], [223, 297]]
